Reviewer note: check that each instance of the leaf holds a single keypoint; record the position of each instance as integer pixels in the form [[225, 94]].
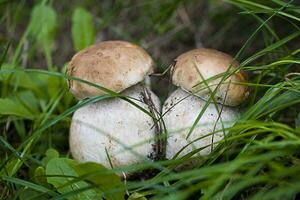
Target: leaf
[[22, 79], [42, 27], [136, 196], [40, 172], [60, 172], [50, 154], [43, 24], [54, 85], [11, 107], [83, 29], [106, 181], [28, 99], [40, 176]]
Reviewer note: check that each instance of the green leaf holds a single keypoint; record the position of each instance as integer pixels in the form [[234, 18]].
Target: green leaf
[[34, 82], [43, 24], [50, 154], [40, 176], [42, 27], [106, 181], [11, 107], [61, 175], [28, 99], [40, 172], [136, 196], [83, 29]]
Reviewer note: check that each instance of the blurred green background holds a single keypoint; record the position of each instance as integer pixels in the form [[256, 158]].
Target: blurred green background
[[50, 36]]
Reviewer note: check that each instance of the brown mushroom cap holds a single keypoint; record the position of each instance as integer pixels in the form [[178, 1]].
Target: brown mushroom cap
[[191, 66], [115, 65]]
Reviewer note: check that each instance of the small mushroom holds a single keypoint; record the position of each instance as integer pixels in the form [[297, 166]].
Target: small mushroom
[[183, 106], [114, 132], [194, 66]]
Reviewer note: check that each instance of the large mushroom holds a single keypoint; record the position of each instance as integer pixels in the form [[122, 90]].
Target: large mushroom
[[200, 73], [114, 132]]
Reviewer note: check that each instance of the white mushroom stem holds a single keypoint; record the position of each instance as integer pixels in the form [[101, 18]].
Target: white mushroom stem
[[180, 112], [116, 131]]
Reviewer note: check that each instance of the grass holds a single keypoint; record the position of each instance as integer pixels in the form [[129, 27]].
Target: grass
[[258, 159]]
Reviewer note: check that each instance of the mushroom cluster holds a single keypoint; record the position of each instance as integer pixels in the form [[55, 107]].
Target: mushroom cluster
[[119, 132], [114, 132], [201, 75]]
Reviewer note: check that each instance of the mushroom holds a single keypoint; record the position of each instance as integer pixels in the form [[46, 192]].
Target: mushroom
[[194, 66], [114, 132], [192, 71], [116, 65]]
